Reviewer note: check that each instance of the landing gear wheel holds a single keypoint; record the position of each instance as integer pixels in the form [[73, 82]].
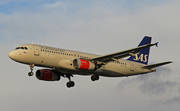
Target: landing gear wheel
[[70, 84], [31, 68], [94, 77], [30, 73]]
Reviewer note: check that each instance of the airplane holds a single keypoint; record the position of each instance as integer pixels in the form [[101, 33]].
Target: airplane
[[66, 63]]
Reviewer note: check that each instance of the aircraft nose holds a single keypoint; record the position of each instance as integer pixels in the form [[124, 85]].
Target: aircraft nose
[[11, 55]]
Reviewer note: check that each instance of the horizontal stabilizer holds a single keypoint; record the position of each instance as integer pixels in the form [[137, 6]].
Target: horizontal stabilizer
[[156, 65]]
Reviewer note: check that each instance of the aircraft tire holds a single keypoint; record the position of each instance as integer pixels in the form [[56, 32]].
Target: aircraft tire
[[30, 73], [70, 84], [94, 77]]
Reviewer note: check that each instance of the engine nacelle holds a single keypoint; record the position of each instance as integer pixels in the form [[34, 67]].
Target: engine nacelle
[[47, 75], [83, 64]]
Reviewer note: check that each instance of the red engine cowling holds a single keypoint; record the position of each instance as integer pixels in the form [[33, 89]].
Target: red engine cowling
[[83, 64], [47, 75]]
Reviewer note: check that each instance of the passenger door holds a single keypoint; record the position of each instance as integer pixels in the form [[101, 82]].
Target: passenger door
[[36, 50]]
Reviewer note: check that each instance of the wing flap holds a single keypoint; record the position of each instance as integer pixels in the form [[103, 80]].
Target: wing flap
[[156, 65]]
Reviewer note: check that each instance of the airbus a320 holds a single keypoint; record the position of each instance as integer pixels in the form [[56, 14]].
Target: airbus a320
[[66, 63]]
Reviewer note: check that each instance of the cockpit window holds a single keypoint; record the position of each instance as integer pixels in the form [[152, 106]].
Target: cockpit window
[[24, 48], [17, 48]]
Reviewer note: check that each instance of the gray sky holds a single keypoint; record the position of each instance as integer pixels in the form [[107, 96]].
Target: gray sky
[[98, 27]]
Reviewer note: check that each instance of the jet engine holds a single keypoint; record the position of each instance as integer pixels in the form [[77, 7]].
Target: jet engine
[[83, 64], [47, 75]]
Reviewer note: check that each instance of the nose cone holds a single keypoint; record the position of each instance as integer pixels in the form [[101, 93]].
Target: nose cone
[[11, 55]]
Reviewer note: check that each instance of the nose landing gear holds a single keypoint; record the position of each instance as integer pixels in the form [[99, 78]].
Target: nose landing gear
[[31, 67]]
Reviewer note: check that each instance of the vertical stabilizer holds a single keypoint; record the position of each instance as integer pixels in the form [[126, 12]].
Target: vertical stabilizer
[[143, 56]]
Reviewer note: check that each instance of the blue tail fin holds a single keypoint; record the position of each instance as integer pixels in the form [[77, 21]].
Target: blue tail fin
[[143, 56]]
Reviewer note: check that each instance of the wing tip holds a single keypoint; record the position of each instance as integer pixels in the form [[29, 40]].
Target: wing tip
[[169, 61], [156, 44]]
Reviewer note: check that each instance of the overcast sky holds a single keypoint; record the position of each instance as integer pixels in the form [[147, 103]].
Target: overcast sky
[[93, 26]]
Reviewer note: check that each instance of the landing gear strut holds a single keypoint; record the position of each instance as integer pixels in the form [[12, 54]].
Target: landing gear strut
[[70, 83], [31, 67]]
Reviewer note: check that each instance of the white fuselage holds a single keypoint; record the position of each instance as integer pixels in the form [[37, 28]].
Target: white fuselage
[[61, 60]]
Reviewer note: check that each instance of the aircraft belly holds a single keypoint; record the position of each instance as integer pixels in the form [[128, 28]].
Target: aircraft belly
[[109, 73], [113, 70], [120, 70]]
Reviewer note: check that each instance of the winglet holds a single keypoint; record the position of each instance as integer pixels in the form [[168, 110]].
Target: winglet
[[156, 44]]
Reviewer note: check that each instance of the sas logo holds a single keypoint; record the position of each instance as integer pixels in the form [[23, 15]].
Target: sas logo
[[142, 58]]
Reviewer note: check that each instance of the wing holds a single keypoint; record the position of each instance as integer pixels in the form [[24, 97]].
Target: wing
[[118, 55]]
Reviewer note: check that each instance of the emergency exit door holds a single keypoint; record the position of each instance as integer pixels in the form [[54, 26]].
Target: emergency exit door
[[132, 66]]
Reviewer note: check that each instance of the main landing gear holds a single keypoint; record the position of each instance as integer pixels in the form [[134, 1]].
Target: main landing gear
[[94, 77], [31, 67], [70, 83]]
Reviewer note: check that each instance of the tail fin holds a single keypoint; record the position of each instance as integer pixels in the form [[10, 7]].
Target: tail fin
[[143, 56]]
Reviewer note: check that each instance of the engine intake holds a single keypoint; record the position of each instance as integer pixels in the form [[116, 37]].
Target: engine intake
[[47, 75], [83, 64]]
